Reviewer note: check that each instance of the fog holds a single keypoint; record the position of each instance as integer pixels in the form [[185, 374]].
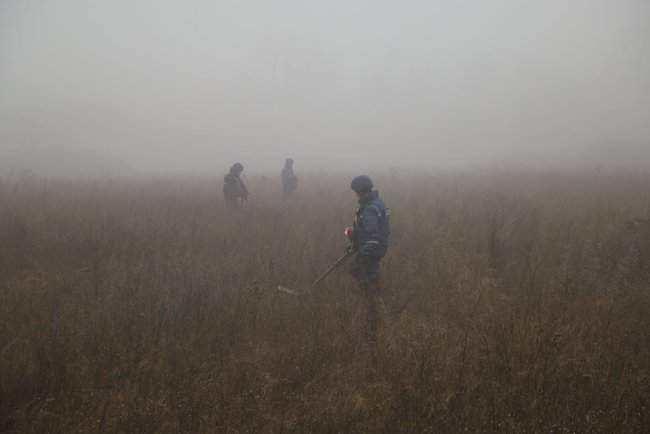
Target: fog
[[161, 85]]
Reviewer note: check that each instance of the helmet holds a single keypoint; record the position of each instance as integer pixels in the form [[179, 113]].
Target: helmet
[[237, 167], [361, 184]]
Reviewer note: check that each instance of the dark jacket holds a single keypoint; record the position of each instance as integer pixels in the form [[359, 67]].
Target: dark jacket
[[234, 188], [372, 227], [289, 180]]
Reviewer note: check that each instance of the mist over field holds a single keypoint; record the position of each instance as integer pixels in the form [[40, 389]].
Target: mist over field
[[490, 276], [161, 85]]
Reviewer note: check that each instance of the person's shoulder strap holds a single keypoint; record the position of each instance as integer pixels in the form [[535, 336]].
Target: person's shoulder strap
[[379, 208]]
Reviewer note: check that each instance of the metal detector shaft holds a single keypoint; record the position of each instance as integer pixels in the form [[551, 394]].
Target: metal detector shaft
[[349, 252]]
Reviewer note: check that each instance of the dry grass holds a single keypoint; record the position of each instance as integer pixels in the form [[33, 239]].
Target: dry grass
[[517, 302]]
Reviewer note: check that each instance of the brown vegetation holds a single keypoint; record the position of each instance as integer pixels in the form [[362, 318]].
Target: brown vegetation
[[515, 303]]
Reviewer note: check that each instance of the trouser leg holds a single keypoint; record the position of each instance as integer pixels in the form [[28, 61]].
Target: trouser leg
[[366, 270], [371, 291], [372, 325]]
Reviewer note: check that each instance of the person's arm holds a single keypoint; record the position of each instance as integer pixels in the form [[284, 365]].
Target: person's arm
[[244, 190], [369, 243], [227, 185]]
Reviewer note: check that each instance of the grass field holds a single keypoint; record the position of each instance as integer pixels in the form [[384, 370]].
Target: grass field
[[515, 302]]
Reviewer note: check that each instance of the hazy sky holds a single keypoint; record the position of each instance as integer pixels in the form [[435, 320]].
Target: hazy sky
[[181, 85]]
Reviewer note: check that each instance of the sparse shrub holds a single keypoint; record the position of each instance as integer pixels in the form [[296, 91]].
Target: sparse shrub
[[514, 303]]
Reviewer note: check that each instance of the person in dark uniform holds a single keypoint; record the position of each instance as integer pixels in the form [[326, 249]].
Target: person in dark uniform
[[289, 179], [369, 235], [234, 189]]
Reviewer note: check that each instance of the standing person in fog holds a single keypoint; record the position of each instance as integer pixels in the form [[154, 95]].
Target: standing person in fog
[[369, 235], [289, 179], [234, 189]]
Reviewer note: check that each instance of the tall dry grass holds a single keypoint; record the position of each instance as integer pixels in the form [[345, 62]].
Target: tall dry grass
[[516, 302]]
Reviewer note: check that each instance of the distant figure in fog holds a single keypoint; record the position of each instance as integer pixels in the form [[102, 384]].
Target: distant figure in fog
[[369, 236], [289, 179], [234, 189]]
